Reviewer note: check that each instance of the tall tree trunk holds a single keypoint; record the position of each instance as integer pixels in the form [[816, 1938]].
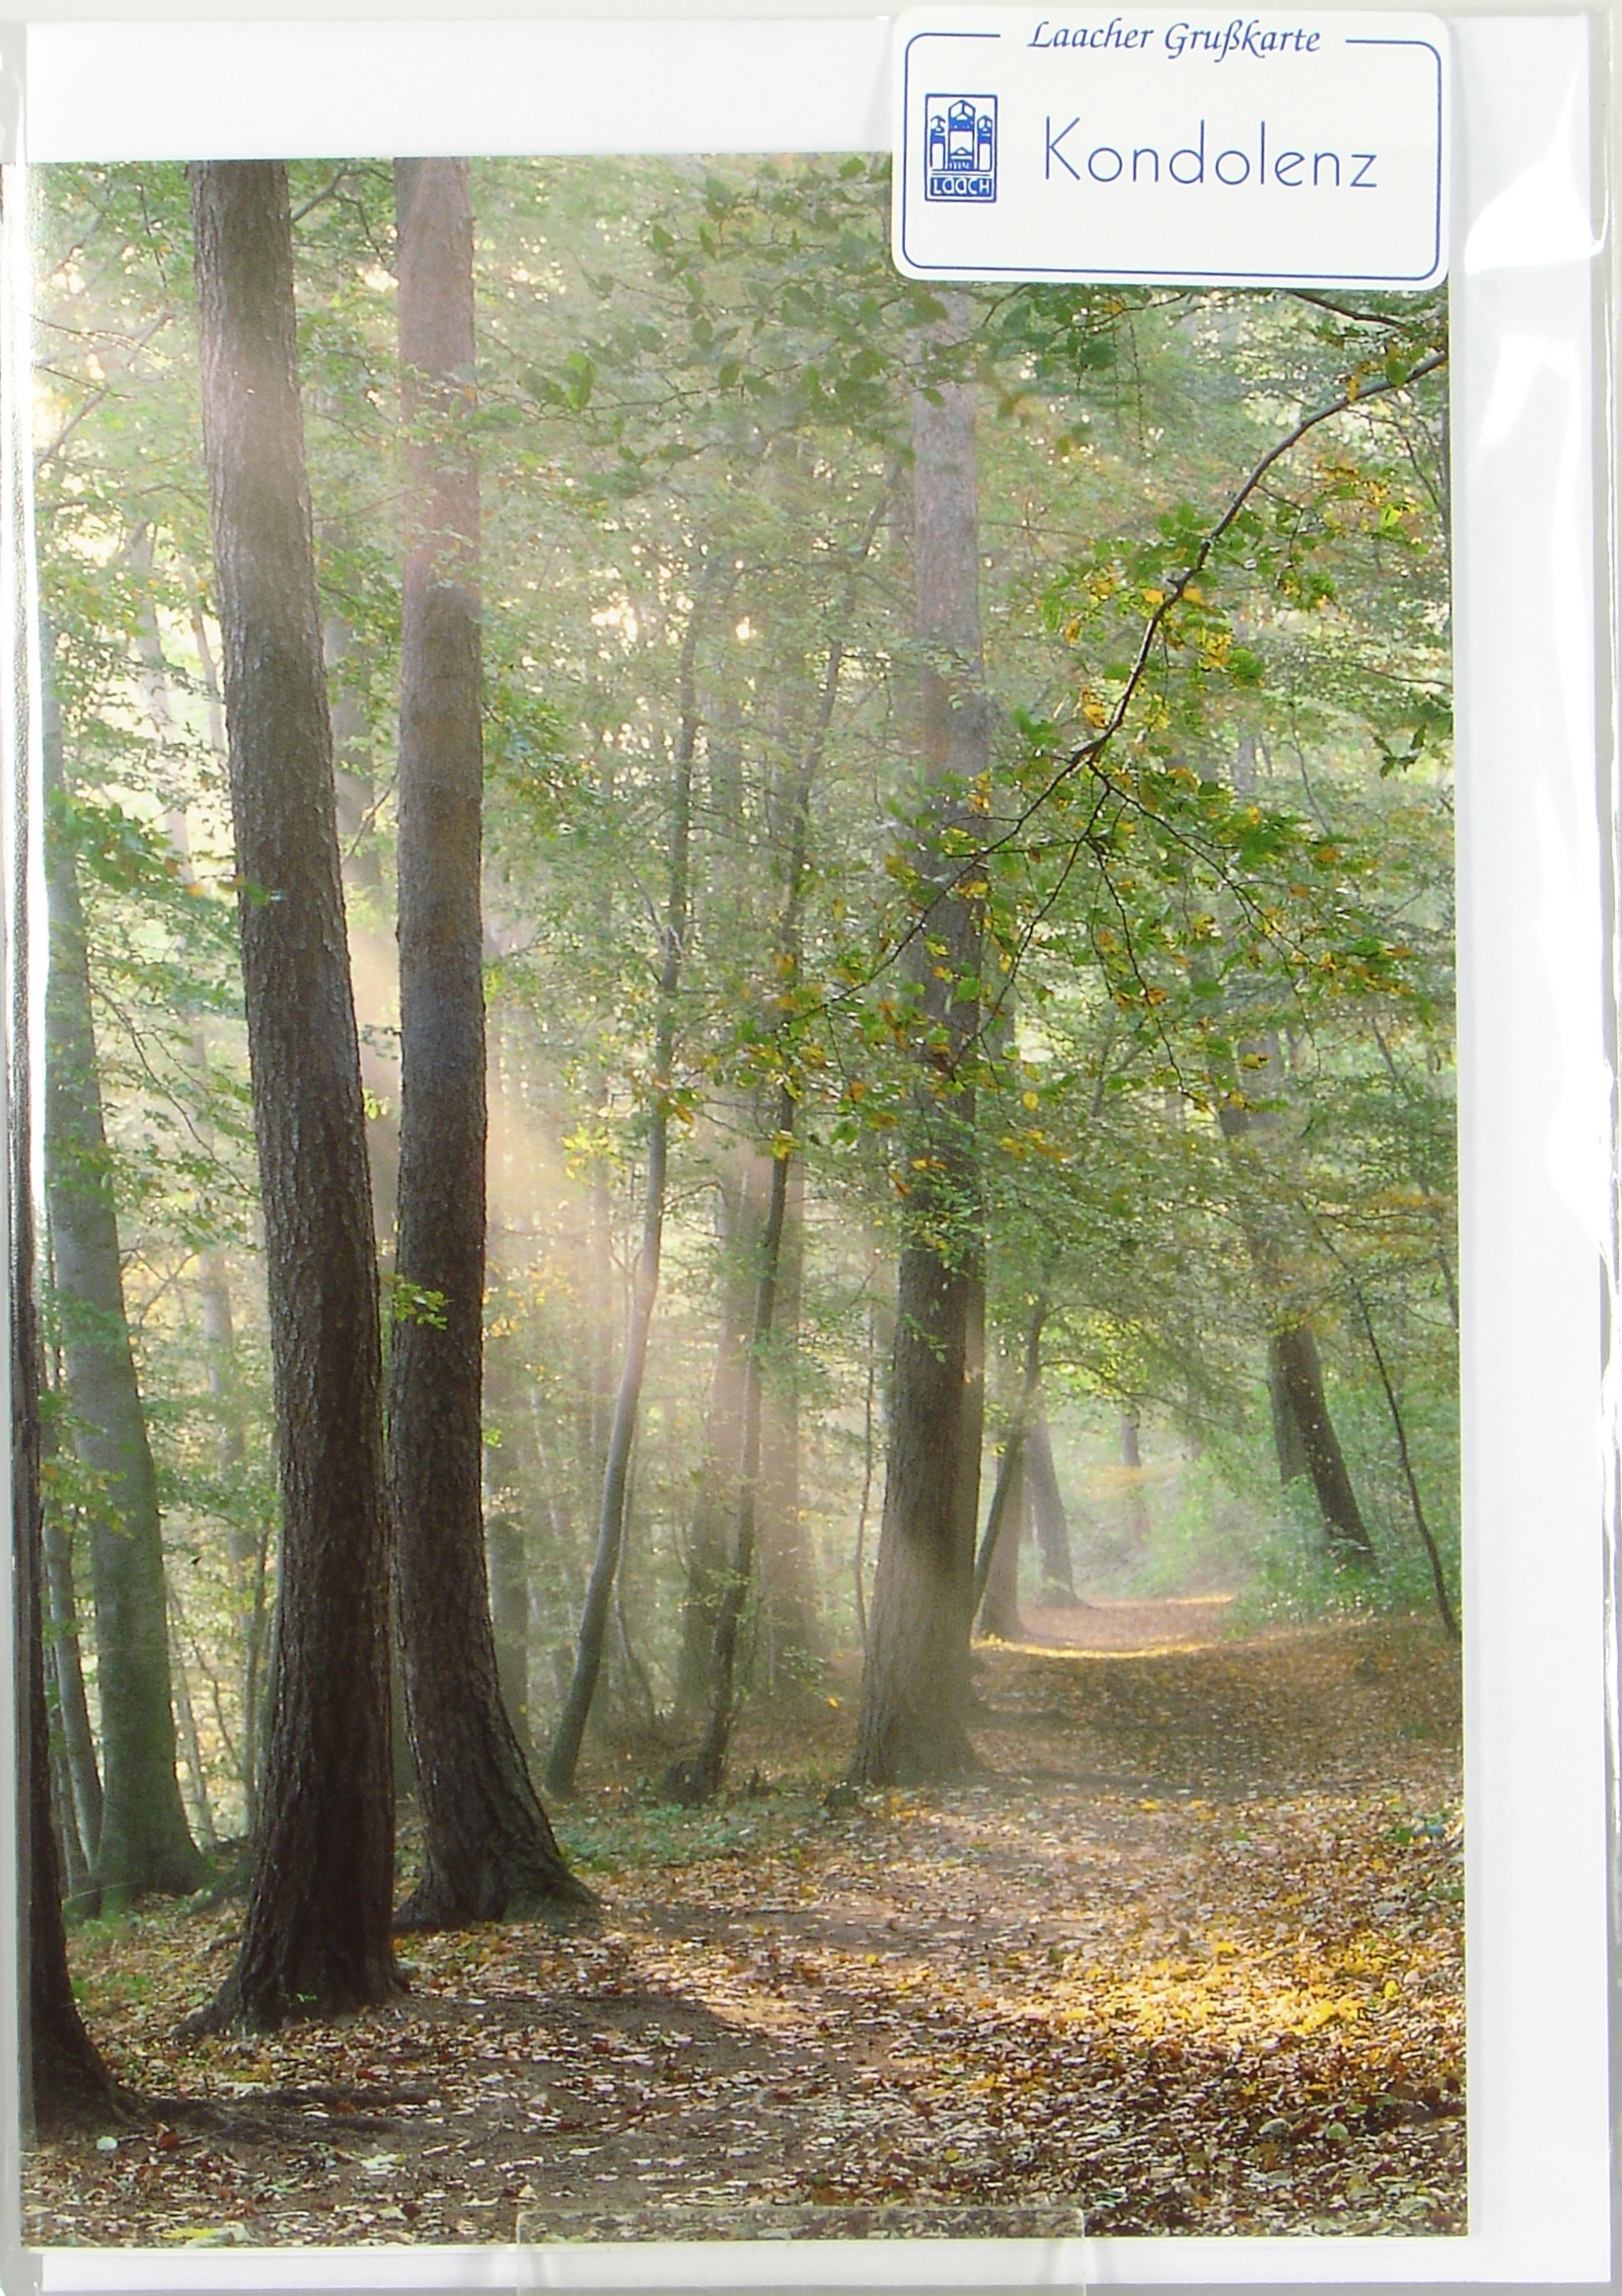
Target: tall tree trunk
[[66, 1663], [870, 1385], [247, 1541], [787, 1581], [487, 1848], [996, 1578], [1287, 1447], [143, 1841], [1000, 1601], [564, 1754], [1053, 1527], [351, 758], [62, 2074], [972, 1431], [248, 1544], [1300, 1372], [78, 1893], [192, 1745], [715, 1505], [916, 1676], [698, 1778], [1303, 1432], [317, 1931]]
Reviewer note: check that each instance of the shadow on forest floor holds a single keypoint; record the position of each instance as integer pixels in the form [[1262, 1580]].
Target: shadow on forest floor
[[1186, 1954]]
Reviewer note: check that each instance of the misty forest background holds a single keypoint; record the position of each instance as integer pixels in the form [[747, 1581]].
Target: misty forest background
[[1136, 1019]]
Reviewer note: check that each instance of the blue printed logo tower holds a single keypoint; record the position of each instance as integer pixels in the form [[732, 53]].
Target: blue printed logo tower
[[960, 148]]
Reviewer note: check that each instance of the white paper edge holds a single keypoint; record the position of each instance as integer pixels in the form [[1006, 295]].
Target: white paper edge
[[1534, 1090]]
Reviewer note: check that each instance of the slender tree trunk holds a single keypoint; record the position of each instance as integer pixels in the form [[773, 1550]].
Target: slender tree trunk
[[78, 1740], [79, 1895], [859, 1558], [715, 1506], [248, 1543], [698, 1778], [1287, 1447], [972, 1432], [510, 1618], [787, 1579], [915, 1677], [1000, 1602], [997, 1580], [202, 1811], [1439, 1578], [1304, 1432], [1300, 1374], [143, 1841], [488, 1849], [62, 2076], [564, 1754], [316, 1932], [1053, 1527], [351, 758]]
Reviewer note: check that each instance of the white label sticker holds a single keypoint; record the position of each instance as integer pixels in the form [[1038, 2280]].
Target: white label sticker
[[1268, 150]]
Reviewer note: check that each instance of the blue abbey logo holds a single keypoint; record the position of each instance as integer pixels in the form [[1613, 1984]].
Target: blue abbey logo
[[960, 148]]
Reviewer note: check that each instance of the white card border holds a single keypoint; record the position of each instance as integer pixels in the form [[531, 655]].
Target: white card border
[[1537, 1168]]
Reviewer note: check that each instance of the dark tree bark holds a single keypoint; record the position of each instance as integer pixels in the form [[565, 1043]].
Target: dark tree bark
[[1000, 1601], [488, 1849], [1287, 1447], [1299, 1372], [1052, 1521], [248, 1543], [996, 1565], [143, 1842], [564, 1757], [317, 1931], [1303, 1432], [62, 2076], [915, 1677]]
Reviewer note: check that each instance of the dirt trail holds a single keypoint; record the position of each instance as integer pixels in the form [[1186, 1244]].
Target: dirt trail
[[1186, 1956], [1128, 1624]]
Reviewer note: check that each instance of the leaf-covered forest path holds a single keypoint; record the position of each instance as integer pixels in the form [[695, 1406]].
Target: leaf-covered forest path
[[1186, 1957]]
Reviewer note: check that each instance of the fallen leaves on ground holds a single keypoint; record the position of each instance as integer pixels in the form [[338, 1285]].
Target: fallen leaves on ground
[[1186, 1957]]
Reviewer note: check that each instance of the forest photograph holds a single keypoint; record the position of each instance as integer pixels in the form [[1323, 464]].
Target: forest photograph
[[736, 1421]]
